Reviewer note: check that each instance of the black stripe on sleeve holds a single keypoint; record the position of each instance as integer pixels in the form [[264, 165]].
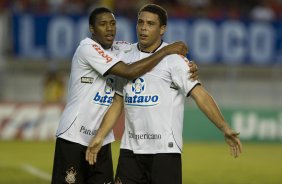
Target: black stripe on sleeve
[[188, 94], [121, 95], [107, 72]]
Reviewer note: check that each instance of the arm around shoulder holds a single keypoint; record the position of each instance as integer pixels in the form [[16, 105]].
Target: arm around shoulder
[[136, 69], [139, 68]]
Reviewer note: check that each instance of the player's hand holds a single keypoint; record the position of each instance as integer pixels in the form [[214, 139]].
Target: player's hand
[[234, 142], [193, 71], [93, 150], [176, 48]]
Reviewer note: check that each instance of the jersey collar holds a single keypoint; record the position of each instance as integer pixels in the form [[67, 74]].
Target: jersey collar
[[152, 51]]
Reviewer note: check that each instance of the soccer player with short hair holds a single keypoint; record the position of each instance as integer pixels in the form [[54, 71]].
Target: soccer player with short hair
[[90, 93], [151, 145]]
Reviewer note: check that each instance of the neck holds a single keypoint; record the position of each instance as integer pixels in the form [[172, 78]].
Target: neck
[[150, 48], [104, 46]]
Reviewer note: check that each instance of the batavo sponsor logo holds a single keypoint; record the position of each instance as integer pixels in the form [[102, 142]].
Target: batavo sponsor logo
[[102, 53], [105, 97], [139, 100], [138, 87]]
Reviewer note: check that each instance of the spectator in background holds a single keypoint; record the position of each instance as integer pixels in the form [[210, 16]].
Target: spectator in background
[[262, 12], [41, 7], [3, 27], [234, 10], [21, 6], [3, 38], [90, 4], [197, 8], [265, 10], [126, 8], [54, 87], [73, 7], [276, 6]]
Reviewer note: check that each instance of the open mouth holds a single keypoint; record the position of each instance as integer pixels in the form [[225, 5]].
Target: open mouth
[[142, 36], [109, 37]]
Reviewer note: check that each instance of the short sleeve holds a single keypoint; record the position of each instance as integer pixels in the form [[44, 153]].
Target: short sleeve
[[96, 57], [180, 74]]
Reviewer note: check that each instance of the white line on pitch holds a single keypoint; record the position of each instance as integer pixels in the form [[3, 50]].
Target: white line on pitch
[[36, 172]]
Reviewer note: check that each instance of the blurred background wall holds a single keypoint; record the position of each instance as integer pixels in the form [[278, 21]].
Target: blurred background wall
[[237, 45]]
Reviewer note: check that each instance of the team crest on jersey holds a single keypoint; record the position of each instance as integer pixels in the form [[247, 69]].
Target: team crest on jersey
[[109, 86], [105, 98], [70, 178], [138, 98], [138, 86]]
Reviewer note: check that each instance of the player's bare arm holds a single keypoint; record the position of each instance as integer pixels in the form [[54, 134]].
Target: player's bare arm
[[107, 125], [139, 68], [208, 106]]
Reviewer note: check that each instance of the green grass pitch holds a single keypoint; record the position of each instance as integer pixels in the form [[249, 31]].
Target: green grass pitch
[[203, 163]]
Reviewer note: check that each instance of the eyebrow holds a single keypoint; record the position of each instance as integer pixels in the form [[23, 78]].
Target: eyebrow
[[103, 21], [151, 21]]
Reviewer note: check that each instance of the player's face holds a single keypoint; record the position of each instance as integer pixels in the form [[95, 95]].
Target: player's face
[[104, 30], [149, 31]]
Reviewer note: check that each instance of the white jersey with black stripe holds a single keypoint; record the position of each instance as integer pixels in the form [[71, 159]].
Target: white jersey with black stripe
[[90, 91], [154, 104]]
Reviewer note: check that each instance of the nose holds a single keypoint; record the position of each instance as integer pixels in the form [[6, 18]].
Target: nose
[[143, 27], [109, 27]]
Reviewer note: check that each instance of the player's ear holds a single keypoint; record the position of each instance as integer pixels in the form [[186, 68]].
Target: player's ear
[[91, 29], [163, 29]]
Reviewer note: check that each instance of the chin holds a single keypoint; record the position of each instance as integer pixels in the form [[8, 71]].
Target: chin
[[143, 43], [108, 45]]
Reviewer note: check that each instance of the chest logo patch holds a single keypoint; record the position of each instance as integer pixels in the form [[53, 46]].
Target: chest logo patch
[[138, 96]]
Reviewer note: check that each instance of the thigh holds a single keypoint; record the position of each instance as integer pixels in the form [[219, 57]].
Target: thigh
[[129, 170], [166, 169]]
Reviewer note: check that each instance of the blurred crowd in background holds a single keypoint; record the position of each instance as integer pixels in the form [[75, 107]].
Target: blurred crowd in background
[[216, 9], [19, 77], [262, 10], [259, 10]]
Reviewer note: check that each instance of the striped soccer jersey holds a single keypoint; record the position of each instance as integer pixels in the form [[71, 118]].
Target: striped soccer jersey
[[154, 104], [90, 92]]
